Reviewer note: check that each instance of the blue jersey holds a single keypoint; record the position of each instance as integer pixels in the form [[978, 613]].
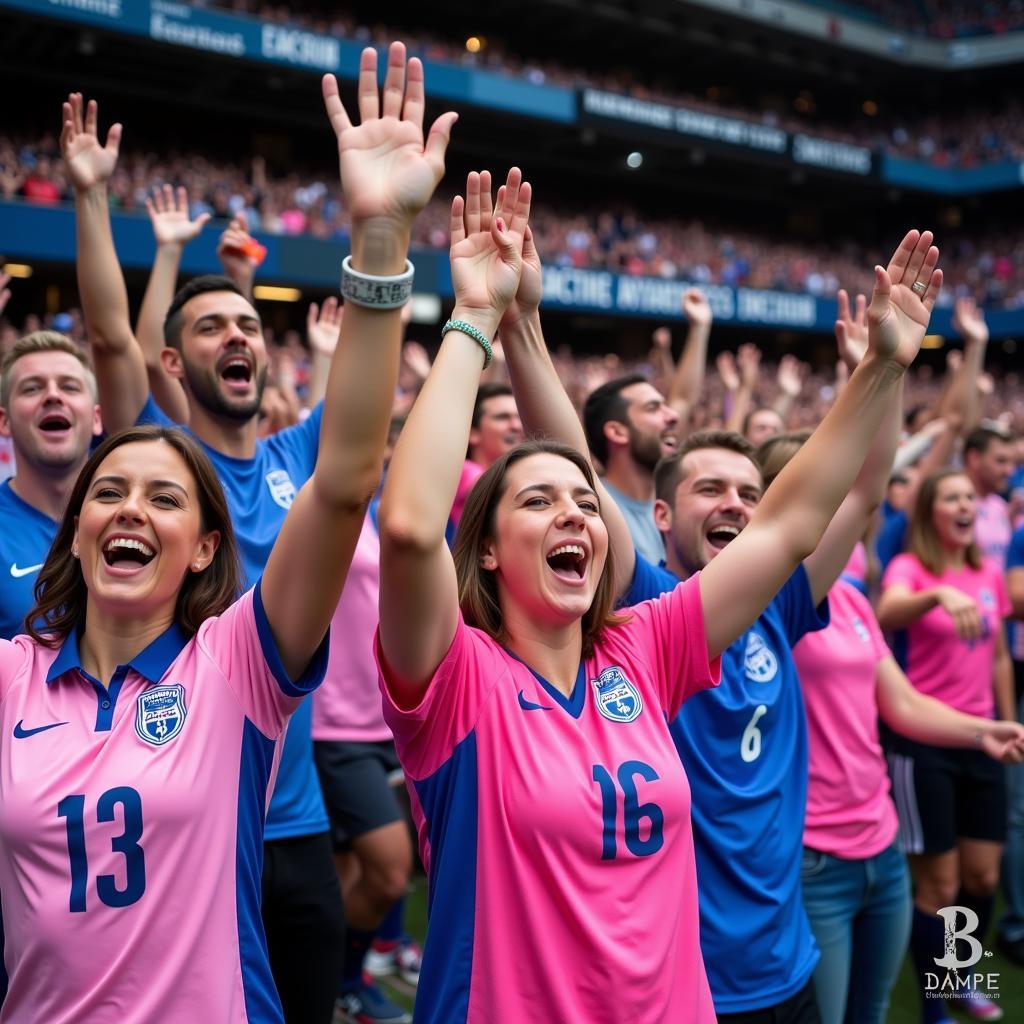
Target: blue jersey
[[260, 491], [1015, 560], [744, 748], [25, 538], [892, 535]]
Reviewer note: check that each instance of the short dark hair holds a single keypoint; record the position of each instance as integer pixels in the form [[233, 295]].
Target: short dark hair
[[484, 392], [197, 286], [980, 438], [668, 473], [60, 592], [753, 412], [605, 405]]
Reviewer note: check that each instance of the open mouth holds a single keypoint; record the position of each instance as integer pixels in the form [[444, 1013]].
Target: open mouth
[[721, 535], [964, 522], [54, 423], [669, 442], [236, 371], [568, 562], [127, 553]]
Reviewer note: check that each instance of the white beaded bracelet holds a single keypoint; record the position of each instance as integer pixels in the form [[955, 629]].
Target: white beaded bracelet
[[376, 292]]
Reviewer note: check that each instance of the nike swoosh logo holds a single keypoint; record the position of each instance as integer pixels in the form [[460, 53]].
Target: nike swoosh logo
[[528, 705], [17, 573], [20, 733]]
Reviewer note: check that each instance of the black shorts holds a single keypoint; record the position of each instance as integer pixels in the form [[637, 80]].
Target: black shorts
[[799, 1009], [943, 794], [360, 782]]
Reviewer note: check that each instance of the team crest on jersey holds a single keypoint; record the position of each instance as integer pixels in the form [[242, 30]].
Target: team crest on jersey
[[987, 598], [160, 714], [759, 661], [862, 631], [618, 699], [282, 490]]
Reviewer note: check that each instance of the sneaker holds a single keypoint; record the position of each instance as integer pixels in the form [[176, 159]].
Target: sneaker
[[366, 1004], [403, 958], [978, 1006]]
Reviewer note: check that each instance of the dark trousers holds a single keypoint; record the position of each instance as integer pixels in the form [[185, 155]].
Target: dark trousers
[[799, 1009], [305, 925]]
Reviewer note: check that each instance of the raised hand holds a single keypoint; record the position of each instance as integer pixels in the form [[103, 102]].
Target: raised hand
[[531, 283], [168, 213], [662, 338], [232, 249], [323, 326], [851, 329], [387, 172], [487, 246], [749, 361], [790, 376], [969, 321], [726, 364], [903, 299], [415, 361], [89, 164], [696, 308]]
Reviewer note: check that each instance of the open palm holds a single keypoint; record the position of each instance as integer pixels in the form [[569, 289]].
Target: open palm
[[168, 213], [898, 316], [386, 169], [88, 162], [487, 250]]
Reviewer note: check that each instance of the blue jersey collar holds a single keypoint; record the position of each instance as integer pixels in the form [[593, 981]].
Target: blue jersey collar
[[151, 663]]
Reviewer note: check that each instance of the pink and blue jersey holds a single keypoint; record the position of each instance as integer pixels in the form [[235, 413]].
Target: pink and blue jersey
[[260, 491], [131, 825], [744, 747], [556, 830], [938, 663]]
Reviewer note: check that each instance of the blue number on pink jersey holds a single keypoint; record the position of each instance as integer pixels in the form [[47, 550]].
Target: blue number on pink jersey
[[127, 844], [633, 811]]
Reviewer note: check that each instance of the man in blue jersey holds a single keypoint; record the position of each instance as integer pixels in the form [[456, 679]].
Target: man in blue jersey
[[216, 349], [48, 409]]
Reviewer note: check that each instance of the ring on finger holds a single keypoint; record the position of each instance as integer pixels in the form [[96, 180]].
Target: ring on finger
[[919, 287]]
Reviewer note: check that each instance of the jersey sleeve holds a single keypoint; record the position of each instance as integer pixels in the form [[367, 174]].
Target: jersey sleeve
[[426, 736], [303, 439], [15, 656], [904, 569], [241, 643], [669, 634], [795, 603], [649, 581], [153, 416], [1015, 553]]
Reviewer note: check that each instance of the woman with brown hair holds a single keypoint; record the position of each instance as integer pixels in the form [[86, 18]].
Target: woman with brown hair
[[532, 722], [949, 604]]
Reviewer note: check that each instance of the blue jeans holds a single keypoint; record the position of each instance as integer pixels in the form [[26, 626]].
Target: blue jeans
[[860, 915], [1011, 924]]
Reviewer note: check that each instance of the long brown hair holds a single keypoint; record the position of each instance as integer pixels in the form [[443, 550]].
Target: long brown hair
[[478, 587], [60, 590], [923, 539]]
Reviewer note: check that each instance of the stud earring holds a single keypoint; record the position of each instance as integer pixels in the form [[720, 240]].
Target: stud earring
[[74, 551]]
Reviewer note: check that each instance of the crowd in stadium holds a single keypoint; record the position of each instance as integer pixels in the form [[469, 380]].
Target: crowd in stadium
[[696, 670], [619, 239]]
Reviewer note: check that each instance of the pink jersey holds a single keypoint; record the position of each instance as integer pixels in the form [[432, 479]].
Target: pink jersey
[[471, 472], [131, 826], [857, 566], [992, 527], [347, 706], [849, 813], [556, 830], [936, 660]]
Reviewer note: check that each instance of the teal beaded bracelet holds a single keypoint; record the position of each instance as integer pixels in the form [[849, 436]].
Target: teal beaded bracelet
[[477, 335]]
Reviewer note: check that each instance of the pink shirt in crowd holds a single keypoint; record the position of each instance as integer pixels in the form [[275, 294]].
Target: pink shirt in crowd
[[937, 661], [857, 566], [131, 826], [471, 472], [992, 527], [347, 707], [849, 813], [556, 830]]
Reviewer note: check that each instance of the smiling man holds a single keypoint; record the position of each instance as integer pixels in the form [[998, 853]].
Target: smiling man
[[48, 409], [630, 427]]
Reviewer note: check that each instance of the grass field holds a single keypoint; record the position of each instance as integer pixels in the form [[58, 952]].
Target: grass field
[[904, 1009]]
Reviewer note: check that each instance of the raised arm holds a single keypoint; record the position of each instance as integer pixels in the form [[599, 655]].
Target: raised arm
[[172, 229], [793, 515], [961, 402], [322, 328], [854, 514], [688, 379], [740, 376], [120, 367], [388, 174], [790, 378], [544, 405], [419, 599], [661, 359], [239, 253]]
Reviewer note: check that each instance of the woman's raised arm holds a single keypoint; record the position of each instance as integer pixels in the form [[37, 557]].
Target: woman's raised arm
[[419, 600]]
